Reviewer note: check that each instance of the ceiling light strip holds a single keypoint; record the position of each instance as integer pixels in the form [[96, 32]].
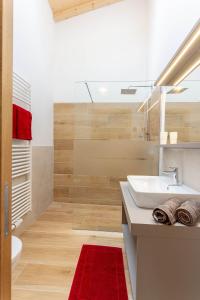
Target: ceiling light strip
[[180, 58], [187, 72]]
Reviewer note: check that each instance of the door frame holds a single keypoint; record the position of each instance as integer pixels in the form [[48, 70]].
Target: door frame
[[6, 66]]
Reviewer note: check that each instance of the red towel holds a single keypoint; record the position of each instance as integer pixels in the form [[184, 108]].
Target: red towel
[[22, 121], [15, 121]]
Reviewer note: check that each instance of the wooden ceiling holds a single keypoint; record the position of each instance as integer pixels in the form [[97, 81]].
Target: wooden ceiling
[[65, 9]]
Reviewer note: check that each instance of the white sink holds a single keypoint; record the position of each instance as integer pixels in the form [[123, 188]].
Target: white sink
[[150, 191]]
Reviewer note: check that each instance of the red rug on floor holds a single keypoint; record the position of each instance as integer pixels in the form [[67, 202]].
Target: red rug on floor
[[99, 275]]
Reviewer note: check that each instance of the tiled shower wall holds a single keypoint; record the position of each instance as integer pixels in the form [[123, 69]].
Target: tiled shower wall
[[183, 117], [96, 146]]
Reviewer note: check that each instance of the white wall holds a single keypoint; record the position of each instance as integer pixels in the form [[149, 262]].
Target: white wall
[[130, 40], [110, 43], [170, 22], [33, 60]]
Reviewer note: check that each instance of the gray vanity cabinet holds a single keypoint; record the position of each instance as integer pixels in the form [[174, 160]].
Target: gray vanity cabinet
[[163, 261]]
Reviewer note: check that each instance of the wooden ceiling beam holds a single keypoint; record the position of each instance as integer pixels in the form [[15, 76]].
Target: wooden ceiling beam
[[80, 9]]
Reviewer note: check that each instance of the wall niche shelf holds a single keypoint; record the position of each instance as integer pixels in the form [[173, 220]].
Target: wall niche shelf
[[181, 146]]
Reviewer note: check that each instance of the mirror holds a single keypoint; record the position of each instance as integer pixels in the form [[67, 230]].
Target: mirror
[[153, 116], [182, 109]]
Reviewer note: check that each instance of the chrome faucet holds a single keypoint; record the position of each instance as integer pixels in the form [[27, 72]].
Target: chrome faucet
[[175, 172]]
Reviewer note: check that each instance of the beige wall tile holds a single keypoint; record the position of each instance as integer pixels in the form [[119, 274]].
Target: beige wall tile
[[61, 191], [184, 118], [63, 144], [81, 180], [63, 155], [63, 167], [96, 146]]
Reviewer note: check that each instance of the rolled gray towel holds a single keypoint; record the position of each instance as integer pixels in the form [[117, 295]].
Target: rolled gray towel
[[166, 213], [189, 212]]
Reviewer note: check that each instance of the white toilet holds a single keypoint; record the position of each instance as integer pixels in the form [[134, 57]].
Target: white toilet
[[16, 250]]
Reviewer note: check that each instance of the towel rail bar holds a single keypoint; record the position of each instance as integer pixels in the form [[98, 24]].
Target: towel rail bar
[[21, 156]]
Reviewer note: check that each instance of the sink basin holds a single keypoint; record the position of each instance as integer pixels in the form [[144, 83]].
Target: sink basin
[[151, 191]]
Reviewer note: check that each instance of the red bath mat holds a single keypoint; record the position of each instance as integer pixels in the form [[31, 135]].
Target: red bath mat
[[99, 275]]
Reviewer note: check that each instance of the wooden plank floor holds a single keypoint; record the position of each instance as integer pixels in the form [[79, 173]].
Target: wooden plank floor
[[52, 245]]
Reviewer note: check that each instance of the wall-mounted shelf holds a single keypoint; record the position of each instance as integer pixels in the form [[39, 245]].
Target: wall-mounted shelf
[[182, 146]]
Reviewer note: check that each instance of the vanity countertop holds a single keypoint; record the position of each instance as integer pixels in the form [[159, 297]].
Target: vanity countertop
[[141, 222]]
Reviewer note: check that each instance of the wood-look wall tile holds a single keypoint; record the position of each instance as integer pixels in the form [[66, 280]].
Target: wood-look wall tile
[[115, 181], [94, 192], [110, 133], [104, 148], [111, 167], [63, 144], [109, 108], [112, 149], [82, 108], [64, 107], [63, 132], [64, 119], [63, 167], [63, 155], [61, 191], [63, 179], [82, 132], [81, 180], [184, 118]]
